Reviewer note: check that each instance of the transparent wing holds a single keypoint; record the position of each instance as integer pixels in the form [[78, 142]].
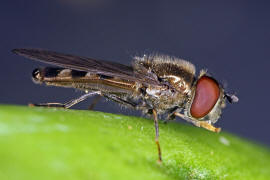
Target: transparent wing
[[85, 64]]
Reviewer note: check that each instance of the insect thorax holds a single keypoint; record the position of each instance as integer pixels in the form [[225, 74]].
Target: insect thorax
[[176, 76]]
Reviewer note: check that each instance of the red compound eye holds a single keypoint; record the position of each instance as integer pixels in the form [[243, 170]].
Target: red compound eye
[[206, 96]]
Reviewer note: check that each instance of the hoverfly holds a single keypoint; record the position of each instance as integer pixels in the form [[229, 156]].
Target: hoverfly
[[156, 84]]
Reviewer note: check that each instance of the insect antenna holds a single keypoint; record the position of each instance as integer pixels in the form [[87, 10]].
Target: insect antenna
[[231, 98]]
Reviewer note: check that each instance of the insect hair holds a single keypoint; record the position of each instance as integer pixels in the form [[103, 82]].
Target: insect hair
[[161, 59]]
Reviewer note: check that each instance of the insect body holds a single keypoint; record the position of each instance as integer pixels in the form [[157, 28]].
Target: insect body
[[157, 85]]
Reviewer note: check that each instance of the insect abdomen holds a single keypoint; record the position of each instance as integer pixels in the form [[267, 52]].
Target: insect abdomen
[[81, 80], [55, 74]]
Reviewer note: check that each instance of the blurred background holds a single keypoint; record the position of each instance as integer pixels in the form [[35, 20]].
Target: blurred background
[[230, 39]]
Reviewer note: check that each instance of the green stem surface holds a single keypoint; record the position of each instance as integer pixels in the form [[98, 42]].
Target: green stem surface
[[40, 143]]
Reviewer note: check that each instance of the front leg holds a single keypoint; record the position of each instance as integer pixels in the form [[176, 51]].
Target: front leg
[[203, 124]]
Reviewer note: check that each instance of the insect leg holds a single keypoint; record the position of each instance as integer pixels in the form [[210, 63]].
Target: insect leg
[[203, 124], [124, 102], [94, 102], [157, 135], [68, 104], [138, 106]]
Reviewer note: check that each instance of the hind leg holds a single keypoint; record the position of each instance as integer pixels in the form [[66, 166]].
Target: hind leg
[[69, 103]]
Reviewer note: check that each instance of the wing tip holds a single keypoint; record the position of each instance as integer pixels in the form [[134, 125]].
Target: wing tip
[[16, 51], [24, 51], [19, 51]]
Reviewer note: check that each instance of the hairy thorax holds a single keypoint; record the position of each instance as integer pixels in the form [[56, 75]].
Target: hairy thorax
[[176, 78]]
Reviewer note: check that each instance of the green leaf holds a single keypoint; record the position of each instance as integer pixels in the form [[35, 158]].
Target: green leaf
[[41, 143]]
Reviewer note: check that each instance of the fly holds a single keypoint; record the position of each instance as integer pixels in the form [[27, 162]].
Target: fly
[[158, 85]]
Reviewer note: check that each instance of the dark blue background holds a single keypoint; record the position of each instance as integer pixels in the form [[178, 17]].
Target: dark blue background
[[230, 39]]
